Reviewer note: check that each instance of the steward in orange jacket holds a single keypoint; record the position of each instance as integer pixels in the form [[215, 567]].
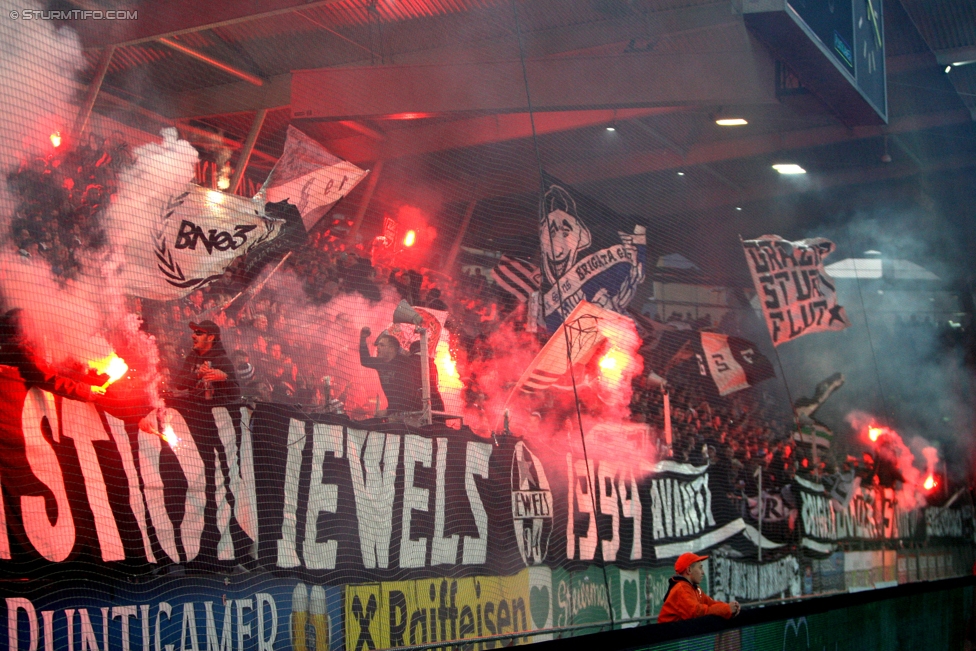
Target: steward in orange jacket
[[685, 600]]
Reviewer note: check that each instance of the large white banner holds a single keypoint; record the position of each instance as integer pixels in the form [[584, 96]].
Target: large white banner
[[311, 178], [798, 297], [192, 238]]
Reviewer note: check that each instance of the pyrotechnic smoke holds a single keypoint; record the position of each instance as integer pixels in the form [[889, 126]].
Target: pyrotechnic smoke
[[38, 64], [890, 451], [28, 284], [327, 338], [74, 322], [549, 421], [161, 171], [893, 357], [495, 368]]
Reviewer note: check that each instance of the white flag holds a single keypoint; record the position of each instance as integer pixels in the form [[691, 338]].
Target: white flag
[[798, 297], [192, 239], [586, 326], [308, 176]]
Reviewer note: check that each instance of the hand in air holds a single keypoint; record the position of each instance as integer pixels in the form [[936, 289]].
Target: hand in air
[[365, 332]]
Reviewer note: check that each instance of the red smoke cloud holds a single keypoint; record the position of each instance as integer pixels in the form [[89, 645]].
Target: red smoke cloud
[[548, 420], [894, 461]]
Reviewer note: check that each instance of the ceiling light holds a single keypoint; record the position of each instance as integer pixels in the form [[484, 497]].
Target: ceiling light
[[731, 122], [739, 208], [611, 128], [681, 173], [789, 168], [956, 64], [948, 69]]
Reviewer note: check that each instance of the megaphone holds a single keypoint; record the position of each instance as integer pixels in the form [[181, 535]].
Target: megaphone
[[406, 314]]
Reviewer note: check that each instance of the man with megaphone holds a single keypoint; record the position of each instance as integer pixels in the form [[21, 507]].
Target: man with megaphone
[[400, 373]]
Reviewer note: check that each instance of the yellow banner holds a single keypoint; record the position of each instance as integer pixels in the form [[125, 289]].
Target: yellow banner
[[410, 613]]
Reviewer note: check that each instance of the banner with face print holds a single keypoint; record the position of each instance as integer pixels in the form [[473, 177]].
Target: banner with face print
[[583, 263]]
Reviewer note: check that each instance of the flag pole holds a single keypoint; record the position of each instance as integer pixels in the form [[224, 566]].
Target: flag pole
[[759, 501], [668, 434], [259, 286]]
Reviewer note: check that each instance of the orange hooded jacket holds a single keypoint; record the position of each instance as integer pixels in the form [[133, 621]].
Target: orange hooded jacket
[[686, 601]]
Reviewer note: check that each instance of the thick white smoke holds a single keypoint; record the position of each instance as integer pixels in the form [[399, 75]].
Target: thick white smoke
[[161, 170], [79, 320], [38, 64]]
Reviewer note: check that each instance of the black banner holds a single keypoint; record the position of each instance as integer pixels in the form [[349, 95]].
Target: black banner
[[327, 496], [346, 501]]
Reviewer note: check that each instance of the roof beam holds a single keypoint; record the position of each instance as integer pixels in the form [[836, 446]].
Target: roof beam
[[583, 171], [168, 18], [956, 55], [227, 99], [212, 61], [733, 76], [474, 131], [716, 197], [119, 108], [452, 36], [512, 180]]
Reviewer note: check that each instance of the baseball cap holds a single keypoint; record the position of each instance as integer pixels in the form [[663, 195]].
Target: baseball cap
[[206, 327], [685, 560]]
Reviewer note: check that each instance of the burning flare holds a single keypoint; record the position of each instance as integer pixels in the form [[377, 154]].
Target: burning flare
[[891, 454], [113, 366], [223, 181], [931, 459], [56, 139], [170, 436], [613, 363], [447, 374]]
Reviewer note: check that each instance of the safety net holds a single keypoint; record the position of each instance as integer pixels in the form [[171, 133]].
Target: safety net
[[373, 323]]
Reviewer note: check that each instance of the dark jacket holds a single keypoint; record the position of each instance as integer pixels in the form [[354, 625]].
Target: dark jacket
[[36, 373], [225, 391], [401, 380], [16, 351]]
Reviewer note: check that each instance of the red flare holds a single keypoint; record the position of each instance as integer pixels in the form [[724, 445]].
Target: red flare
[[112, 365]]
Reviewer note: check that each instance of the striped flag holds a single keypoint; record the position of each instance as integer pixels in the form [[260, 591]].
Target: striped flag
[[586, 326], [517, 277], [733, 363]]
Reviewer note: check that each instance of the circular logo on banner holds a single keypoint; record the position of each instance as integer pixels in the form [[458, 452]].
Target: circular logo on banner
[[531, 505]]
